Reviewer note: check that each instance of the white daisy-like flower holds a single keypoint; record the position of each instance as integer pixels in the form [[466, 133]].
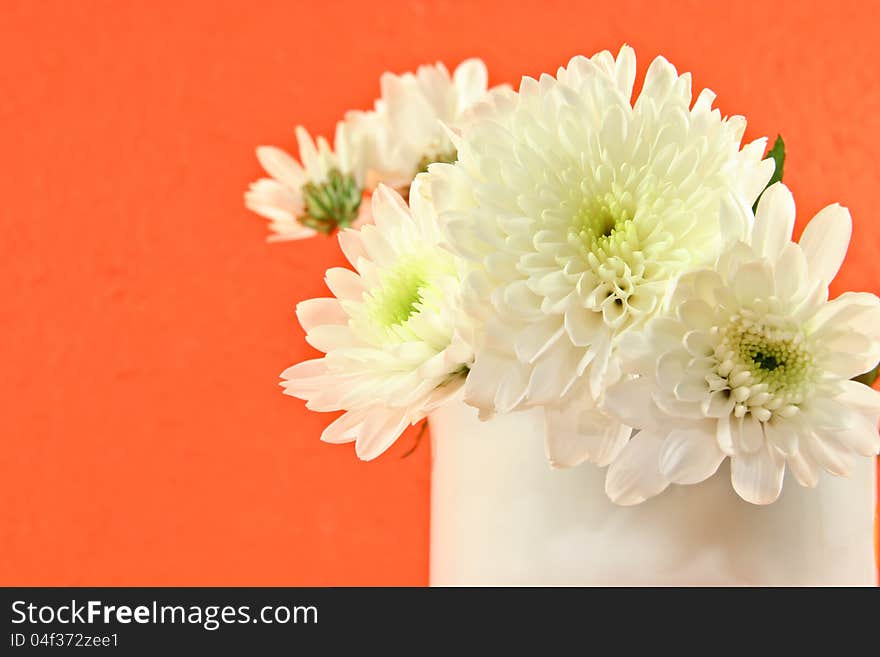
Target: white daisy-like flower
[[394, 338], [752, 362], [323, 193], [576, 210], [389, 145], [420, 109]]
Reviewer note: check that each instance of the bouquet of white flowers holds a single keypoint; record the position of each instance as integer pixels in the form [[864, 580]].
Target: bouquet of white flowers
[[625, 267]]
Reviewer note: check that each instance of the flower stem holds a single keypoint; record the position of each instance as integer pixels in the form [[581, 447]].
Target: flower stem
[[418, 441]]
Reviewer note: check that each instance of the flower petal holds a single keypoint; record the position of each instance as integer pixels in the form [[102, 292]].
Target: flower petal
[[485, 377], [344, 284], [753, 280], [829, 454], [575, 435], [281, 166], [319, 312], [352, 246], [782, 435], [825, 241], [724, 435], [689, 456], [861, 438], [757, 478], [344, 429], [630, 401], [378, 432], [635, 475], [471, 79], [804, 469], [696, 314], [860, 396], [748, 434], [774, 221]]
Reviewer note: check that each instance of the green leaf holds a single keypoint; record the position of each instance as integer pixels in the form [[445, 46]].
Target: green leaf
[[868, 378], [777, 153]]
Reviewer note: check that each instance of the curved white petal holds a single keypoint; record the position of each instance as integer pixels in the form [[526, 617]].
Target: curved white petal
[[635, 475], [344, 429], [753, 280], [757, 477], [856, 311], [625, 70], [783, 436], [804, 468], [471, 81], [631, 401], [774, 221], [308, 153], [378, 432], [575, 433], [862, 437], [825, 241], [829, 454], [272, 200], [688, 456], [319, 312], [281, 166], [860, 396], [352, 246], [748, 434], [389, 209], [659, 82]]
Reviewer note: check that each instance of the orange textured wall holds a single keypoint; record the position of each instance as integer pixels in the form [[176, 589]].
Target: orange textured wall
[[145, 321]]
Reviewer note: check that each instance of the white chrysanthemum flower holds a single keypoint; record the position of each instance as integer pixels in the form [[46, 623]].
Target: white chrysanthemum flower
[[390, 144], [577, 210], [323, 193], [419, 108], [394, 336], [752, 362]]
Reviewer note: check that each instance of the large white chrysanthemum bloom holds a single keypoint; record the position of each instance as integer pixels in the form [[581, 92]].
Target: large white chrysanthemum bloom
[[752, 362], [323, 193], [419, 109], [576, 210], [394, 337]]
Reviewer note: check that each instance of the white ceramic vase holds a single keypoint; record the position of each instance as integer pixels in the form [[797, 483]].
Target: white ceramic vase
[[501, 516]]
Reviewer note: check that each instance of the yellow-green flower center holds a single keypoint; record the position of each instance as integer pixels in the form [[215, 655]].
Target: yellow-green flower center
[[774, 356], [398, 295], [603, 230], [601, 223], [767, 366], [402, 292]]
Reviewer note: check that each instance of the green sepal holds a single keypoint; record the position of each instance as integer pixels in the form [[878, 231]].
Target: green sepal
[[868, 378], [331, 205]]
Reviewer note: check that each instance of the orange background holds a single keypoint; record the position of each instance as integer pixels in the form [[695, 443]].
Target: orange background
[[145, 320]]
